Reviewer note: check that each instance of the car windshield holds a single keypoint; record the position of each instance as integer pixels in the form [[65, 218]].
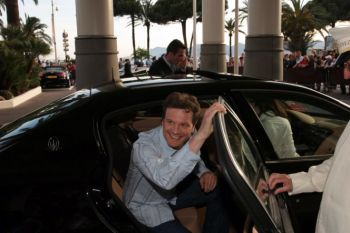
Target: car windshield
[[54, 69]]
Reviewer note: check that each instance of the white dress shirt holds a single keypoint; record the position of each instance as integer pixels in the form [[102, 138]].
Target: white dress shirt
[[332, 177]]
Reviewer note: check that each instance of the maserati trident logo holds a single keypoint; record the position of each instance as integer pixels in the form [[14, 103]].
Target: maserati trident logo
[[53, 144]]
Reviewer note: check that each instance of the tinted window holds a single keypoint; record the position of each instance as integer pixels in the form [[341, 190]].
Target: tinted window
[[297, 125], [55, 69], [247, 161]]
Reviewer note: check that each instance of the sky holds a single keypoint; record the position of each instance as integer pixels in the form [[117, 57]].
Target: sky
[[65, 20]]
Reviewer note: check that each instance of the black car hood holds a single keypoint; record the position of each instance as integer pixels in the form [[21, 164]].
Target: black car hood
[[42, 115]]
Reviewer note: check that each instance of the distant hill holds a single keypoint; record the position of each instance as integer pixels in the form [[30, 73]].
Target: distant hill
[[158, 51]]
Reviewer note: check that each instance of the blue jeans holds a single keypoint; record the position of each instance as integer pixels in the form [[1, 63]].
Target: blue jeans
[[216, 219]]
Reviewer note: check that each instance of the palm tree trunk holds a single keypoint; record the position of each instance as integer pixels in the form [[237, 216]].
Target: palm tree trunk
[[12, 12], [133, 35], [230, 41], [190, 50], [148, 35], [183, 25]]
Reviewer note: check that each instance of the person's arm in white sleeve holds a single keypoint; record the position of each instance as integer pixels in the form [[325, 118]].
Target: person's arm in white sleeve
[[302, 182], [313, 180]]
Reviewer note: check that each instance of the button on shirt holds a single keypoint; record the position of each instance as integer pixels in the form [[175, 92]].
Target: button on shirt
[[155, 170]]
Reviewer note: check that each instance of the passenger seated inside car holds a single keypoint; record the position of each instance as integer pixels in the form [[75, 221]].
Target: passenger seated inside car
[[277, 126]]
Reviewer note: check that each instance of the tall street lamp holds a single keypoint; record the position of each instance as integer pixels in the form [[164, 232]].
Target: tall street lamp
[[53, 30]]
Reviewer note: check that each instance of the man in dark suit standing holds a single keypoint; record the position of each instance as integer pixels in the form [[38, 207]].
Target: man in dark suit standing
[[173, 62]]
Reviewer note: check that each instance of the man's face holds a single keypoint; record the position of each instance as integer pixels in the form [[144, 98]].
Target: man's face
[[177, 127], [178, 57]]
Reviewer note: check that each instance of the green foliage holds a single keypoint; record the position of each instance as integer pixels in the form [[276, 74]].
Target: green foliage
[[20, 47], [12, 70], [131, 8], [146, 15], [337, 10], [165, 11], [141, 53], [299, 22], [126, 7], [12, 11], [6, 94]]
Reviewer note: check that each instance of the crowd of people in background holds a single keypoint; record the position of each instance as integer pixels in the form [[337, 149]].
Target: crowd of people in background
[[322, 59], [320, 63], [231, 61], [317, 59]]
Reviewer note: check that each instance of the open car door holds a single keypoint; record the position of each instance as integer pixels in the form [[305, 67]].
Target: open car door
[[247, 176]]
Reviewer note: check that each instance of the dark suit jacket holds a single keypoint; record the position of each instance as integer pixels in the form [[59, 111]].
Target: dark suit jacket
[[161, 68]]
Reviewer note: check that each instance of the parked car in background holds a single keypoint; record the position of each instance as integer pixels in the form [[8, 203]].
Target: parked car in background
[[62, 167], [55, 76]]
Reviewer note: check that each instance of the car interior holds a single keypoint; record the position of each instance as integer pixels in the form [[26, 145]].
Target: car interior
[[315, 132], [121, 130], [315, 128]]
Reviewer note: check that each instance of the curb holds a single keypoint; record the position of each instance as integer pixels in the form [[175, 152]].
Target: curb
[[20, 99]]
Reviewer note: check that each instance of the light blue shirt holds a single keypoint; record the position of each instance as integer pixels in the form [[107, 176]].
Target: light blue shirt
[[155, 170]]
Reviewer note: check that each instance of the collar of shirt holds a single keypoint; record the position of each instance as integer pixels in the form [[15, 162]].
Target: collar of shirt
[[171, 66], [267, 114], [164, 143]]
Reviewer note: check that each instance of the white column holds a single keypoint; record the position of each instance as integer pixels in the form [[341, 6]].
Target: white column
[[94, 17], [96, 45], [264, 42], [213, 49], [264, 17]]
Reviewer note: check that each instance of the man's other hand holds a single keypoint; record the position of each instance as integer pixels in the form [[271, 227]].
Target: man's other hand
[[208, 181]]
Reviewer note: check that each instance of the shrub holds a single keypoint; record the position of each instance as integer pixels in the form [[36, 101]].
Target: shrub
[[6, 94]]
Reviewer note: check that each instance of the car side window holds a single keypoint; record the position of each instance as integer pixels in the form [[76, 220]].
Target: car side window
[[298, 126]]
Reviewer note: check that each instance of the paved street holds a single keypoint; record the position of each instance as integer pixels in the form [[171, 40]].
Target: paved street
[[46, 97], [49, 95], [344, 98]]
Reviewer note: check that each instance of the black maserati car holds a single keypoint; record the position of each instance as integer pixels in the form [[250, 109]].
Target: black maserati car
[[62, 167], [55, 76]]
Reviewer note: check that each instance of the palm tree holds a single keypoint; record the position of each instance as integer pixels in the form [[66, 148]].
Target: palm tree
[[337, 10], [243, 11], [20, 47], [13, 12], [299, 22], [34, 29], [230, 27], [166, 11], [146, 15], [39, 41], [131, 8]]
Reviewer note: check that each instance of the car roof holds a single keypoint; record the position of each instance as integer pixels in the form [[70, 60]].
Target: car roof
[[202, 78], [150, 88]]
